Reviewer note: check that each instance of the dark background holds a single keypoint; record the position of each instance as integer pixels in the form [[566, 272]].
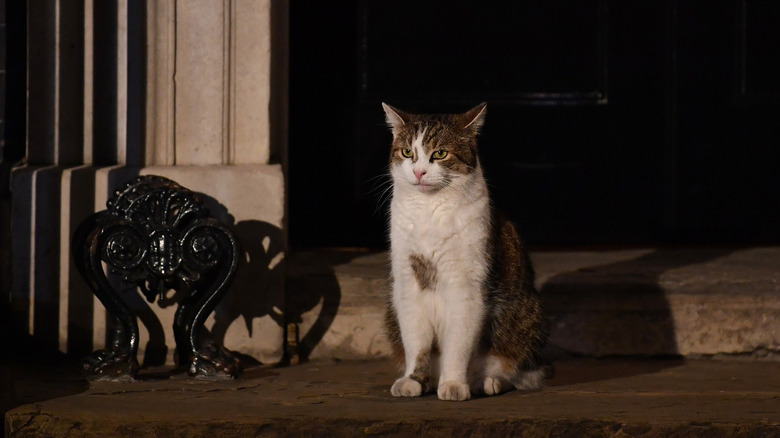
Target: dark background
[[609, 122]]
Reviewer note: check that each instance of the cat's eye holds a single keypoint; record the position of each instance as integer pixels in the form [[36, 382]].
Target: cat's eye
[[406, 152], [438, 155]]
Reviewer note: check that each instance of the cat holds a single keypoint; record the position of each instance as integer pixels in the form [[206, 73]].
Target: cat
[[464, 316]]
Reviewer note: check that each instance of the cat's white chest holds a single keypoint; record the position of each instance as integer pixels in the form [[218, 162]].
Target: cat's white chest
[[433, 223], [448, 229]]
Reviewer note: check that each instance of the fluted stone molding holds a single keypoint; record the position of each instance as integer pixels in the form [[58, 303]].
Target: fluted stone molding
[[209, 90], [181, 89]]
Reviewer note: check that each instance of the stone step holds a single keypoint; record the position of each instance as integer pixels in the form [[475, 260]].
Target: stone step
[[587, 397], [602, 302]]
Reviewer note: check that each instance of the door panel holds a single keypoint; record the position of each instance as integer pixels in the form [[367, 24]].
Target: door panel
[[570, 139], [442, 51], [608, 121], [728, 121]]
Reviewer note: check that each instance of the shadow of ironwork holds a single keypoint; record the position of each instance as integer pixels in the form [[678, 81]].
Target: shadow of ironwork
[[257, 290]]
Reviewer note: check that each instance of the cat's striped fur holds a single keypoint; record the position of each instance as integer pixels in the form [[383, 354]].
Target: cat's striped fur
[[464, 316]]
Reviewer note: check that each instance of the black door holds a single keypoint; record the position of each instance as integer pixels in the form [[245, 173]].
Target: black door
[[608, 121], [728, 132]]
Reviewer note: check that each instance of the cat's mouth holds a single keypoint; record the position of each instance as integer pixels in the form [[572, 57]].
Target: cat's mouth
[[423, 187]]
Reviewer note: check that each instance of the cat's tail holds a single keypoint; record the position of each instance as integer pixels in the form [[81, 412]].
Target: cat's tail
[[531, 379]]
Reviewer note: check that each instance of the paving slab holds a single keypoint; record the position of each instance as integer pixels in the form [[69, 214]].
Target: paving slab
[[586, 397]]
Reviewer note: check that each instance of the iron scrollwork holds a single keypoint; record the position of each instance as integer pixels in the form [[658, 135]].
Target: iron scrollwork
[[158, 236]]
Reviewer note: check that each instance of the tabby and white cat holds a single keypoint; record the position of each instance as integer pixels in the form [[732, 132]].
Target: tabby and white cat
[[464, 315]]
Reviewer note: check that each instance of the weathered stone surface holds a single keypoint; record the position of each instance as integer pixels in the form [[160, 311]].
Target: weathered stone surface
[[210, 98], [587, 397], [672, 301], [338, 298], [251, 199], [602, 303], [214, 115]]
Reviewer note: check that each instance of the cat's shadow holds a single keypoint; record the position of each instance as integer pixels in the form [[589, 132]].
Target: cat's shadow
[[626, 340], [579, 370]]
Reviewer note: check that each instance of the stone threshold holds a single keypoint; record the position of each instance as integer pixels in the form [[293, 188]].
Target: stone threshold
[[694, 302]]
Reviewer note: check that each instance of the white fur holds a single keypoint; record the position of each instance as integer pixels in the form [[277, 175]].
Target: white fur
[[406, 387], [488, 375], [445, 218]]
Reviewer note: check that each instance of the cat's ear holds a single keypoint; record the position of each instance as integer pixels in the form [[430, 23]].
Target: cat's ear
[[474, 118], [395, 118]]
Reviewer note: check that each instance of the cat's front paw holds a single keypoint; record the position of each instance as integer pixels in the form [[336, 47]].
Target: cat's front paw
[[406, 387], [454, 391]]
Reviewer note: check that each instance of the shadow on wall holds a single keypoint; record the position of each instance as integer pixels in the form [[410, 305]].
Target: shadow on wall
[[59, 316], [262, 287], [618, 308], [313, 296], [257, 289], [256, 292]]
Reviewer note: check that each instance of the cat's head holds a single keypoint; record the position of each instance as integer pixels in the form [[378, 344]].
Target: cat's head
[[434, 151]]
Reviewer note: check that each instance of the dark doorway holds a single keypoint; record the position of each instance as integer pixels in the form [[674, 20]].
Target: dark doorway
[[13, 84], [608, 121]]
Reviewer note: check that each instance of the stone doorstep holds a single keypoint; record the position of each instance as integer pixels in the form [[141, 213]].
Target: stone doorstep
[[647, 301], [586, 397]]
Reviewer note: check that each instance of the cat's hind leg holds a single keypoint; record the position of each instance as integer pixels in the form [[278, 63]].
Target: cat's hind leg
[[494, 375], [491, 375]]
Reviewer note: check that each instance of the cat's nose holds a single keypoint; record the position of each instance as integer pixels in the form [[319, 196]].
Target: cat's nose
[[419, 174]]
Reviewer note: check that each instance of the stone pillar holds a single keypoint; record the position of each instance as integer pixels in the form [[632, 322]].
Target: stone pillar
[[209, 88], [189, 93]]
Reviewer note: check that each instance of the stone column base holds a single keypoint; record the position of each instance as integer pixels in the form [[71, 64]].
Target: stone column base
[[52, 302]]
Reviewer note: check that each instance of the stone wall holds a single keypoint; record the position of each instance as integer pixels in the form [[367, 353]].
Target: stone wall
[[193, 91]]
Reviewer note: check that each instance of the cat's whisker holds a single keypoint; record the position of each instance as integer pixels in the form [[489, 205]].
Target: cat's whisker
[[378, 182], [379, 177], [384, 198], [449, 244], [381, 189]]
